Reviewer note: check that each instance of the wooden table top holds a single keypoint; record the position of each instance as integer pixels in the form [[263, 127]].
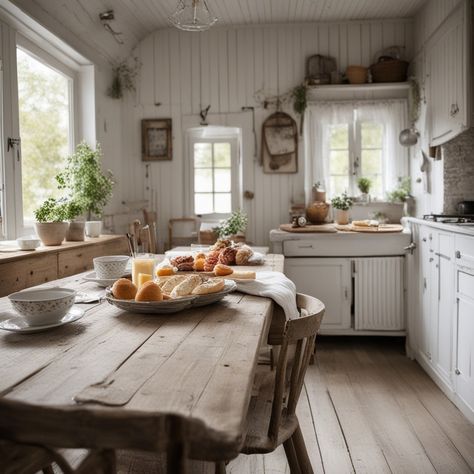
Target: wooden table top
[[197, 363]]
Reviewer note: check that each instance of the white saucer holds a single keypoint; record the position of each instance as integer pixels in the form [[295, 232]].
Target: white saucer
[[103, 282], [18, 324]]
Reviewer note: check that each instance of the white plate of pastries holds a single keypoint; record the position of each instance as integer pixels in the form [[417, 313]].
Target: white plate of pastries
[[168, 294]]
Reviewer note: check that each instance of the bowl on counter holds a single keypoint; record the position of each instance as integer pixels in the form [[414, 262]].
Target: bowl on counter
[[43, 306], [110, 266], [28, 242]]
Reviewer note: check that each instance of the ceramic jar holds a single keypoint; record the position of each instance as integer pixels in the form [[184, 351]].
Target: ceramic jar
[[317, 212]]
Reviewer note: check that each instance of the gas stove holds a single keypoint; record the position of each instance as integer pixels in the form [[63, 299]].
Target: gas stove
[[457, 219]]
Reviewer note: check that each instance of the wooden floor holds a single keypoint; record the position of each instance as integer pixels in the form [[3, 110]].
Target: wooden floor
[[365, 408]]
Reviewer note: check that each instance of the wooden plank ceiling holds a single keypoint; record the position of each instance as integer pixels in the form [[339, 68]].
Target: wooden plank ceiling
[[137, 18]]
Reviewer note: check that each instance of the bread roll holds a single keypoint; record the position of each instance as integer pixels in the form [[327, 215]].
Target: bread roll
[[243, 275], [199, 264], [124, 289], [149, 291], [222, 270], [171, 282], [213, 285], [186, 287], [243, 254]]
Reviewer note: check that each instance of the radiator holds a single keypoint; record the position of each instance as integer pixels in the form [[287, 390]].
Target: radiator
[[379, 294]]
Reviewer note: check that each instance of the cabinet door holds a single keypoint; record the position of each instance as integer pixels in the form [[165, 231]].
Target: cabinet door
[[328, 279], [425, 324], [465, 338]]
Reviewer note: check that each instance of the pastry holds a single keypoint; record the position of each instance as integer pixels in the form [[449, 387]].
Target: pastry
[[199, 264], [183, 263], [124, 289], [222, 270], [227, 256], [171, 282], [221, 244], [186, 287], [199, 255], [149, 291], [213, 285], [244, 275], [165, 270], [243, 254], [212, 259]]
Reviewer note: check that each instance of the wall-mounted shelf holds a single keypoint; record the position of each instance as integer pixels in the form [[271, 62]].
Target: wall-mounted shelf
[[386, 90]]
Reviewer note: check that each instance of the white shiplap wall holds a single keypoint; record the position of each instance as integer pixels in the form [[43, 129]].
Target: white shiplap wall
[[225, 67]]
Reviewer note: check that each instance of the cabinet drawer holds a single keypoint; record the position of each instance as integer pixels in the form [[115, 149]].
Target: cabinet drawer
[[465, 251], [465, 284]]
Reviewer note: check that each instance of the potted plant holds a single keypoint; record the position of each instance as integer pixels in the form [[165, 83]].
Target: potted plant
[[75, 231], [233, 227], [51, 225], [342, 204], [87, 184], [402, 194], [364, 185]]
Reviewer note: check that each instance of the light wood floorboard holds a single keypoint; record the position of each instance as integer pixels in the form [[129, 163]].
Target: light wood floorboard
[[365, 408]]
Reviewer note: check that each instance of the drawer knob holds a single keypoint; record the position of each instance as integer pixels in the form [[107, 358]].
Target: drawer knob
[[457, 372]]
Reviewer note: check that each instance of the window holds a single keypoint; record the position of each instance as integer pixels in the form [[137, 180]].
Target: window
[[356, 150], [215, 171], [45, 106]]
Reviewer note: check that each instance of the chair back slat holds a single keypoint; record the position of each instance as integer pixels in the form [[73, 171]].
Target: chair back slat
[[302, 333]]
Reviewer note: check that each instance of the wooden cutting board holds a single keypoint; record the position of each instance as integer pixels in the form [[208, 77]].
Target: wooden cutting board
[[381, 229], [309, 228]]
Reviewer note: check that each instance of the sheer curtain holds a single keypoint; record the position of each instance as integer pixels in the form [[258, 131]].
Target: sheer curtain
[[392, 113]]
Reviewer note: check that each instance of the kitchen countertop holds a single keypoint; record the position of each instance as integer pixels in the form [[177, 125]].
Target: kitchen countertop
[[459, 229]]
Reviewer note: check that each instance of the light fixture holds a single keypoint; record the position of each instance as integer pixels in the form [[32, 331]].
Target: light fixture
[[192, 15]]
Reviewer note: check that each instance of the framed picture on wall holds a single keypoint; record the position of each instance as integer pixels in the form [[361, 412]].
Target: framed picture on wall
[[157, 140]]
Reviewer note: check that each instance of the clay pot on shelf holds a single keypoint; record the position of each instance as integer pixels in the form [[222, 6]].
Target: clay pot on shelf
[[341, 217], [51, 233], [319, 196], [317, 212], [75, 231]]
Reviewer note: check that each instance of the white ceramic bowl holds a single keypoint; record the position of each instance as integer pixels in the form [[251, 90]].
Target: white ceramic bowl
[[43, 306], [28, 243], [110, 266]]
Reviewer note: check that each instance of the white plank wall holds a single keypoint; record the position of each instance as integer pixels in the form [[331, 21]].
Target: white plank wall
[[224, 68]]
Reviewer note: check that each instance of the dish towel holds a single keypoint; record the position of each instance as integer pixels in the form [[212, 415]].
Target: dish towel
[[273, 285]]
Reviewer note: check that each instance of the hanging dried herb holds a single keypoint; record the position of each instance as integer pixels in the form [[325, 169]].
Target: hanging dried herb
[[300, 102], [123, 79]]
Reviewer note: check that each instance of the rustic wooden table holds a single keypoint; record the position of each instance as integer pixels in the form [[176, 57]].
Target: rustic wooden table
[[197, 363]]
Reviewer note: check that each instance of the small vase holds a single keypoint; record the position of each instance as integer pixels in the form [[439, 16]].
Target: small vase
[[75, 232], [342, 217], [93, 228], [51, 233]]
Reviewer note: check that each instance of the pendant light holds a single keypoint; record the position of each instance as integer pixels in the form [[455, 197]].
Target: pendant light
[[192, 15]]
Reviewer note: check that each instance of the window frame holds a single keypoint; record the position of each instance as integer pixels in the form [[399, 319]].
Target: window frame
[[27, 226], [354, 130], [197, 135]]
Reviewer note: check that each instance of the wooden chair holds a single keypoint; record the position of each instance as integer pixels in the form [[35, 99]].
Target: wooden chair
[[144, 236], [33, 437], [271, 418]]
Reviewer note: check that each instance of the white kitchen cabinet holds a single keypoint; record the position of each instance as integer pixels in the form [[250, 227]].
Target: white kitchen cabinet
[[425, 324], [328, 279], [447, 65]]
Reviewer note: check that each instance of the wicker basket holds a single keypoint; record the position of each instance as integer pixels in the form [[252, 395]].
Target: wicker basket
[[389, 70], [356, 74]]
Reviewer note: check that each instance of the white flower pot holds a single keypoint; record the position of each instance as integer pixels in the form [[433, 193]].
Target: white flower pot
[[342, 217], [51, 233], [93, 228]]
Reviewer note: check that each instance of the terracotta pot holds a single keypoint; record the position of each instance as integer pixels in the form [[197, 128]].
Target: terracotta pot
[[75, 232], [342, 217], [317, 212], [51, 233]]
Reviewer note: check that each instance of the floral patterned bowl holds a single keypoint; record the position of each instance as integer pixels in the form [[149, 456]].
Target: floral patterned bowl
[[43, 306], [110, 266]]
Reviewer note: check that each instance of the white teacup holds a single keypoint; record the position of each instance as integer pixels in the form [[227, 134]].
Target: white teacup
[[110, 266], [93, 228]]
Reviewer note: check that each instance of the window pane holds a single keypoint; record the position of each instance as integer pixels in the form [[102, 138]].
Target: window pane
[[371, 162], [376, 188], [222, 155], [339, 184], [222, 179], [222, 203], [203, 203], [43, 96], [339, 136], [202, 155], [372, 135], [339, 162], [203, 180]]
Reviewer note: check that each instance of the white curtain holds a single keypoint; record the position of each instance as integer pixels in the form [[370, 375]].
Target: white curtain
[[392, 113]]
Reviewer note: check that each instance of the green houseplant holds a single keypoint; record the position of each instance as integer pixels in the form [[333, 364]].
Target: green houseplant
[[85, 181], [364, 185], [51, 217], [342, 204], [233, 226]]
